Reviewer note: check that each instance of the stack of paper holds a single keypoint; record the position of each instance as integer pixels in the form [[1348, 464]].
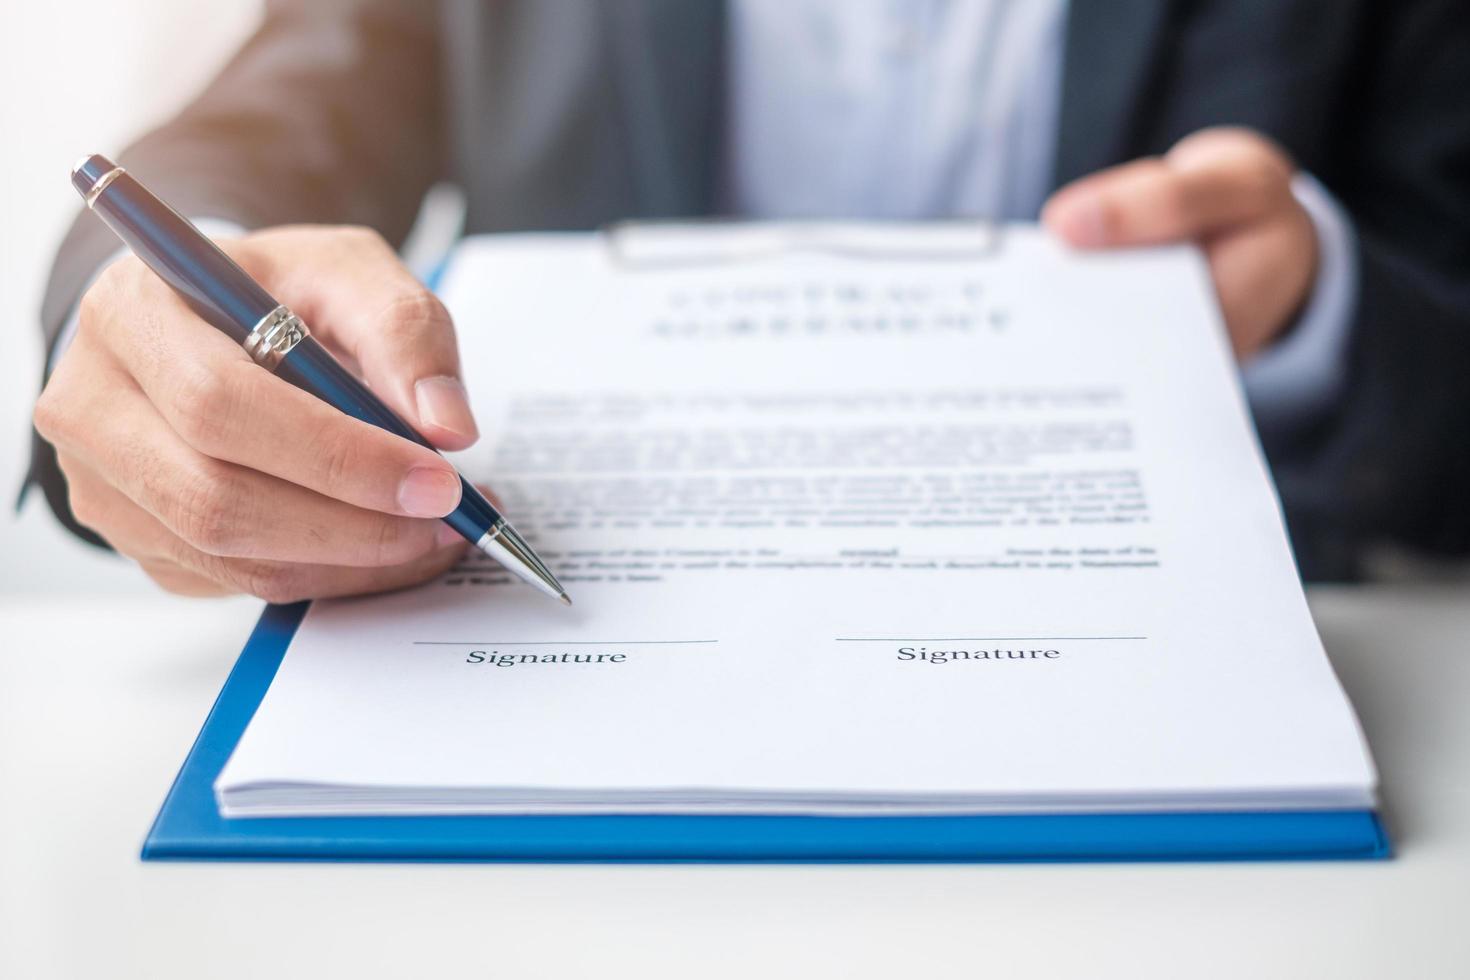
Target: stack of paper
[[850, 530]]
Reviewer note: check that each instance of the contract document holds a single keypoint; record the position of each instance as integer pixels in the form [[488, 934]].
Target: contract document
[[857, 519]]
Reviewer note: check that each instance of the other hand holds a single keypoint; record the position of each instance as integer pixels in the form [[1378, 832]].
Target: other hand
[[1227, 189], [218, 477]]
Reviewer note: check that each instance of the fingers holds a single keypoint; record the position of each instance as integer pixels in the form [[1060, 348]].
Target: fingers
[[185, 570], [223, 405], [124, 525], [1210, 181], [132, 531], [194, 572], [350, 287], [280, 582], [218, 508], [217, 476], [1230, 191]]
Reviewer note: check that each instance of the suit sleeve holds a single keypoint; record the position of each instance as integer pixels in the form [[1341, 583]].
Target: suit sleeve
[[330, 113], [1391, 463]]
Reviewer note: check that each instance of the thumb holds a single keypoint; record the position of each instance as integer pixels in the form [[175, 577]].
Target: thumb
[[408, 352], [350, 288]]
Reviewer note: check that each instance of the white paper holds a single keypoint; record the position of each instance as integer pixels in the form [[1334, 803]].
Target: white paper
[[772, 480]]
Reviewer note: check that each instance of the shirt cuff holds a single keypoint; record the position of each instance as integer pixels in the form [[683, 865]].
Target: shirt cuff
[[1296, 380], [211, 227]]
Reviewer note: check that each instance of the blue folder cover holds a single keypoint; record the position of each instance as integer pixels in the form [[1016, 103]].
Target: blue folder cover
[[189, 826]]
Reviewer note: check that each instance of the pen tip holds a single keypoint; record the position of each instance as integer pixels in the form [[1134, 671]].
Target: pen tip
[[566, 599]]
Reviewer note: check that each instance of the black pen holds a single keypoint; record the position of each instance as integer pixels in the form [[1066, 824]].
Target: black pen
[[225, 297]]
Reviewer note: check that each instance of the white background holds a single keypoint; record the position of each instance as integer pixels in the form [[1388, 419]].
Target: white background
[[77, 78]]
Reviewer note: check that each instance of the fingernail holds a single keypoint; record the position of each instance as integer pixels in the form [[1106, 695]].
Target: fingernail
[[447, 536], [442, 402], [428, 492]]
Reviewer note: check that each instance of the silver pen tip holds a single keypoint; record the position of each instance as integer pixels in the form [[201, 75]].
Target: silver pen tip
[[566, 599], [503, 544]]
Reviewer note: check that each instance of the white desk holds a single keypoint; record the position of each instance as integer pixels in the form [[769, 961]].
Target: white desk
[[91, 734]]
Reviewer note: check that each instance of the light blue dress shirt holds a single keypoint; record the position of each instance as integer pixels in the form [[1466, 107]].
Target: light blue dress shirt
[[940, 108]]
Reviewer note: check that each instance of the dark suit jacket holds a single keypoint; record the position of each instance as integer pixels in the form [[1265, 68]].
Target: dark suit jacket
[[566, 114]]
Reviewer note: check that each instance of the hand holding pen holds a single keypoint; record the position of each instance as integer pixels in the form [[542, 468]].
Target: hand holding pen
[[217, 475]]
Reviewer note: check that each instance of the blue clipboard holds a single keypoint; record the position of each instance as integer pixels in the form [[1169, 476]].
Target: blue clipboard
[[189, 827]]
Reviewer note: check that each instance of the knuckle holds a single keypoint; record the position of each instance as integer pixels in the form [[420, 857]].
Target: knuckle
[[275, 583], [92, 307], [336, 455], [109, 292], [1181, 201], [167, 577], [362, 237], [1268, 180], [258, 252], [85, 507], [94, 304], [205, 508], [397, 540], [50, 415], [1260, 146], [203, 406], [412, 312], [69, 467]]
